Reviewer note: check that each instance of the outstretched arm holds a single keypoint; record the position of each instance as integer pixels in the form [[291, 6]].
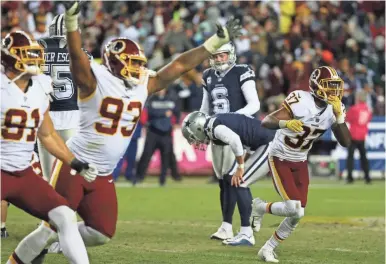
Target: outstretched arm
[[79, 62], [282, 118], [190, 59]]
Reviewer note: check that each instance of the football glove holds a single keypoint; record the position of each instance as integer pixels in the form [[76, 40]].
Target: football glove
[[71, 15], [337, 108], [88, 171], [293, 125], [223, 35]]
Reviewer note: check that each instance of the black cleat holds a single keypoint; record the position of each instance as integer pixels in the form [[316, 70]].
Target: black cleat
[[4, 233]]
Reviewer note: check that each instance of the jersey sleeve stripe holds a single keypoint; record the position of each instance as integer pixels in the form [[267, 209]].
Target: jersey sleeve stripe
[[286, 106], [277, 181]]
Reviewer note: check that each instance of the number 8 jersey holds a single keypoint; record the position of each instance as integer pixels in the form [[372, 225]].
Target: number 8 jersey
[[293, 146], [108, 118]]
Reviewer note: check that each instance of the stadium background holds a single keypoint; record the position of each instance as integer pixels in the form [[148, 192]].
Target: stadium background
[[282, 41]]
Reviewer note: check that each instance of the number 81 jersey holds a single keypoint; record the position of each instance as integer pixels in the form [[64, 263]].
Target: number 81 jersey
[[293, 146], [108, 118]]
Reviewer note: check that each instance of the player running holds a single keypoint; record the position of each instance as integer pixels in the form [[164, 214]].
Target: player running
[[111, 98], [229, 87], [304, 117], [24, 116], [64, 111]]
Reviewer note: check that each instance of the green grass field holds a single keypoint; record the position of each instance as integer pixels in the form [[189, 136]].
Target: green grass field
[[343, 224]]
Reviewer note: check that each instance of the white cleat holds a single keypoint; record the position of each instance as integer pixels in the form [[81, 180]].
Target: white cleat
[[55, 248], [267, 255], [240, 240], [222, 234], [258, 211]]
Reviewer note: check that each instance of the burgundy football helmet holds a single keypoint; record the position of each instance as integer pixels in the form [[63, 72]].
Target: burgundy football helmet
[[325, 81], [125, 59], [20, 53]]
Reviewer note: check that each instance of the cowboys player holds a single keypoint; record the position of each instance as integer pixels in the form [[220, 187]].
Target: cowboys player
[[229, 87], [238, 132], [64, 109]]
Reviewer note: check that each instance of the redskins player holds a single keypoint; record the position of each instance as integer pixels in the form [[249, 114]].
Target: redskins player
[[303, 118], [111, 98], [24, 117]]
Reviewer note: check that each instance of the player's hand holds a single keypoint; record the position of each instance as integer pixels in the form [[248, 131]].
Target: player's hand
[[336, 105], [237, 178], [88, 171], [72, 7], [294, 125], [232, 28]]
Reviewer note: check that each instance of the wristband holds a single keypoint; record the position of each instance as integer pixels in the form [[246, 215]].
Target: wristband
[[283, 123], [241, 166], [340, 119]]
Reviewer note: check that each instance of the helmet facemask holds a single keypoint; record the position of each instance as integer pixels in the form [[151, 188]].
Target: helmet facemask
[[329, 87], [134, 67], [29, 58]]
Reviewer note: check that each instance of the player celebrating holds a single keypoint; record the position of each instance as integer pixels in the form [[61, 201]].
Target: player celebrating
[[24, 116], [111, 98], [64, 110], [238, 132], [230, 87], [304, 117]]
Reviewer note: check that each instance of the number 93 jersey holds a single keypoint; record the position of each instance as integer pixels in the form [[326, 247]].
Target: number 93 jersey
[[293, 146], [21, 116], [108, 118], [224, 88]]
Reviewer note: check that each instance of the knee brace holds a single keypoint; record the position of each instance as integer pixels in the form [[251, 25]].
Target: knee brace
[[292, 207], [62, 216], [92, 237]]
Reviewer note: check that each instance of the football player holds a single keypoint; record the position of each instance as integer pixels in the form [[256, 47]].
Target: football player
[[24, 116], [64, 111], [303, 118], [230, 87], [111, 98]]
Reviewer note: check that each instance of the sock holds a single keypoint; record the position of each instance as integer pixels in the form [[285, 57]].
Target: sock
[[230, 200], [92, 237], [247, 230], [221, 185], [278, 208], [31, 246], [282, 232], [227, 226], [244, 203], [70, 240], [2, 225]]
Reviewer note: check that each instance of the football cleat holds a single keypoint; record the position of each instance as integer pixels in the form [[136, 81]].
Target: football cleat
[[222, 234], [267, 255], [55, 248], [240, 240], [4, 233], [257, 214]]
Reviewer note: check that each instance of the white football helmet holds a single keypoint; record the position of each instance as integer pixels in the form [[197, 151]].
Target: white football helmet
[[57, 27], [222, 66]]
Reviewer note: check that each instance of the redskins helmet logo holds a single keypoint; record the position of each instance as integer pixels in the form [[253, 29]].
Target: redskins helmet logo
[[315, 75], [7, 42], [117, 47]]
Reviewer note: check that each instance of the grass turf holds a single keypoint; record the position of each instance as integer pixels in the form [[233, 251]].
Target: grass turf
[[343, 224]]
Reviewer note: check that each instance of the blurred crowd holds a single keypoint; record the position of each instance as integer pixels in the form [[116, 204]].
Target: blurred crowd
[[282, 41]]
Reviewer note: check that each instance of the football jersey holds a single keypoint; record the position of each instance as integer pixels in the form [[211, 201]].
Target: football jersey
[[250, 131], [108, 118], [21, 116], [224, 88], [294, 146]]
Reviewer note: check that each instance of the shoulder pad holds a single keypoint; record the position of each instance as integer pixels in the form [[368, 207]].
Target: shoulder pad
[[297, 103], [246, 72]]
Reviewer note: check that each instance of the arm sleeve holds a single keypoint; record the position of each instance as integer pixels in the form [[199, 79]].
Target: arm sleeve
[[250, 95], [205, 102], [229, 137]]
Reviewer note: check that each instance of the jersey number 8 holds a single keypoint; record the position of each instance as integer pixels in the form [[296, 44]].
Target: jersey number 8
[[220, 101], [112, 108]]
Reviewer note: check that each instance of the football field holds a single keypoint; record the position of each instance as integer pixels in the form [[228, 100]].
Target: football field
[[343, 224]]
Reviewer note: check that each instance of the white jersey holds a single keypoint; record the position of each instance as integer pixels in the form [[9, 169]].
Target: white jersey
[[108, 118], [293, 146], [21, 116]]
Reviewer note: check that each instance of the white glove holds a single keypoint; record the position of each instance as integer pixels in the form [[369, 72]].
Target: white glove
[[88, 171]]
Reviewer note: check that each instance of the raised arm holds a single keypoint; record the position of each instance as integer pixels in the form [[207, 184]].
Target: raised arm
[[191, 58], [339, 128], [79, 61]]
